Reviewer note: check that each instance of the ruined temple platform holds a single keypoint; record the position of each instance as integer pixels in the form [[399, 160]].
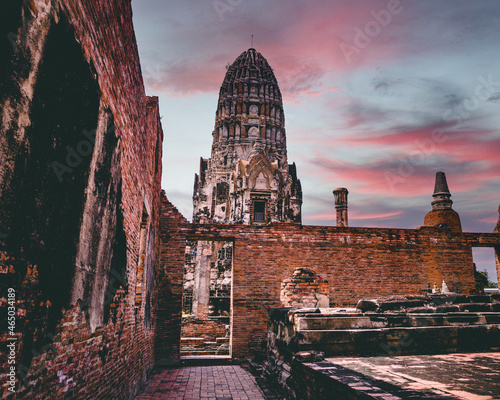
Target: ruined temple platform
[[402, 347], [471, 376]]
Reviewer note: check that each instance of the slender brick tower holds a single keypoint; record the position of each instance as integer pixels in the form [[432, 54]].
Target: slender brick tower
[[247, 179], [497, 228], [340, 198], [497, 249], [442, 215]]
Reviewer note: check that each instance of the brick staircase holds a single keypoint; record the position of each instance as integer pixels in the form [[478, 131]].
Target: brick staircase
[[198, 346]]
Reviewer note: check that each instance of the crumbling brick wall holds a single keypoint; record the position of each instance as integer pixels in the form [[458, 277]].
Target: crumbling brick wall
[[169, 283], [356, 262], [80, 144], [207, 329], [304, 289]]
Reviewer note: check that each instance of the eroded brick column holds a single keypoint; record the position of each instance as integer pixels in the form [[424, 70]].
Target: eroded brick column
[[201, 294], [340, 196], [497, 249]]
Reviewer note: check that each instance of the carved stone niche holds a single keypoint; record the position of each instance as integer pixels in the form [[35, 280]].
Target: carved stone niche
[[253, 91], [253, 132], [260, 175], [261, 182]]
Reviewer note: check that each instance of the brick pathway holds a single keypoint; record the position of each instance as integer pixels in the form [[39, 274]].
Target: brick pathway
[[221, 382]]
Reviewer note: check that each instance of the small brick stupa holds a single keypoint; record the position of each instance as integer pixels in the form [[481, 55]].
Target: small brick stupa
[[442, 215]]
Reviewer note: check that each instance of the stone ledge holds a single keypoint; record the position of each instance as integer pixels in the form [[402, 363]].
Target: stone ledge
[[400, 340], [320, 380]]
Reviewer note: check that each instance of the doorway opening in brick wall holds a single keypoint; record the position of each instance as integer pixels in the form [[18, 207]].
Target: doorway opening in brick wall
[[486, 263], [207, 298], [259, 211]]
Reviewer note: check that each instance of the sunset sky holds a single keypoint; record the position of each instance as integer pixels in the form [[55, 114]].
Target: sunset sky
[[378, 97]]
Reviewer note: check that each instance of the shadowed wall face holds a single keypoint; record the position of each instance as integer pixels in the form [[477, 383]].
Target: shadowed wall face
[[80, 151], [46, 196], [97, 242]]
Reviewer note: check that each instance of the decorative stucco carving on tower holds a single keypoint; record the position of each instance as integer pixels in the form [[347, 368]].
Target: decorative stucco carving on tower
[[248, 179]]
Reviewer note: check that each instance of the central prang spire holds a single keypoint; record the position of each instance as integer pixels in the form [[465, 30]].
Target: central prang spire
[[249, 110], [248, 168]]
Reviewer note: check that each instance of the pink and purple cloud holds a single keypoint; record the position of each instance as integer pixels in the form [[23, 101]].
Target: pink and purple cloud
[[379, 95]]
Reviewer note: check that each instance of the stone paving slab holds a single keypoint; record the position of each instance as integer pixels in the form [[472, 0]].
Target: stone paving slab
[[221, 382], [471, 376]]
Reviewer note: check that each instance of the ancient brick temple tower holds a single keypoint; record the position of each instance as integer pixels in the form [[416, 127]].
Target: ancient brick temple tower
[[247, 179], [442, 215]]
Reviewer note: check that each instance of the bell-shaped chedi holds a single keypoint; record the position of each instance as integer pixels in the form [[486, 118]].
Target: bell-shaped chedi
[[248, 179], [442, 215]]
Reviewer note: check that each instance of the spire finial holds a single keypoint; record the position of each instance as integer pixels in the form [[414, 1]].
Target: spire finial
[[441, 192], [252, 43]]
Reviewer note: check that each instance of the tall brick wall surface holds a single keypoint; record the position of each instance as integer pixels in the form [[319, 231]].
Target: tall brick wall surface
[[356, 262], [497, 248], [169, 283], [71, 77]]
